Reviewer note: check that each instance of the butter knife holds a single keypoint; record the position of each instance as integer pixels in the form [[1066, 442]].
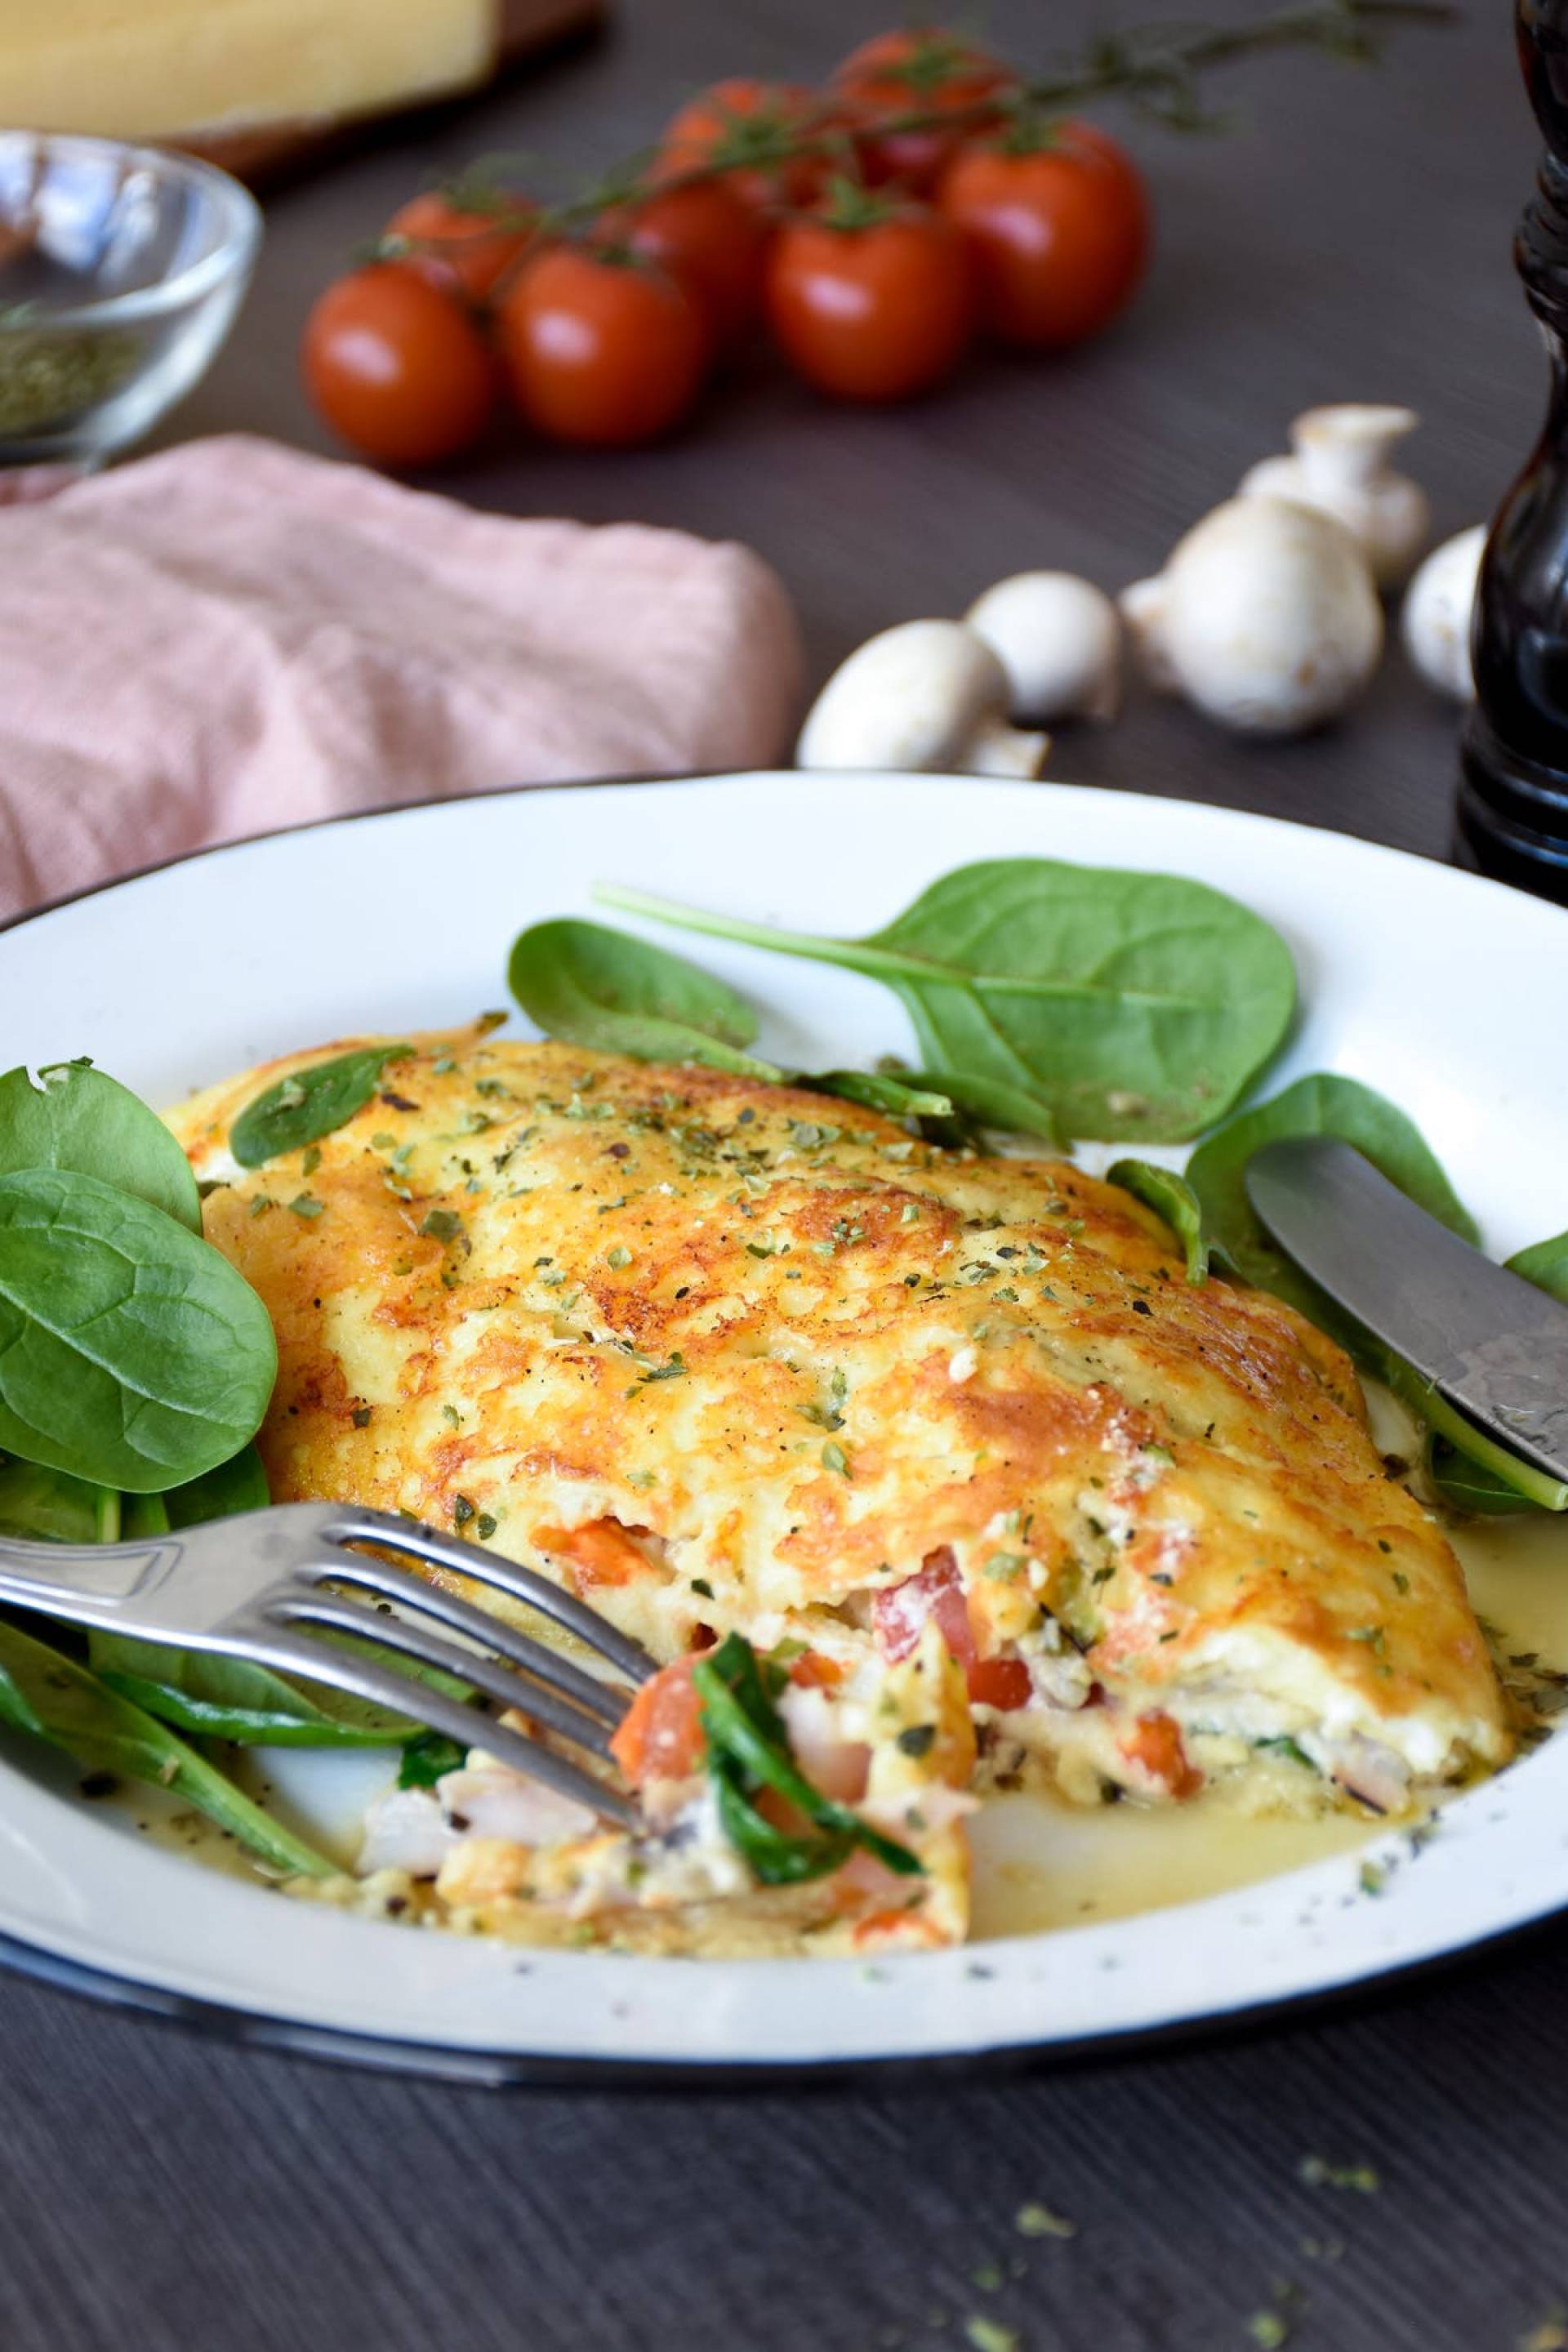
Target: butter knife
[[1492, 1343]]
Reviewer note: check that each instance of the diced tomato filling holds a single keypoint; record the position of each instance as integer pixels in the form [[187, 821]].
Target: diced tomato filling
[[659, 1737], [935, 1593], [602, 1552], [1155, 1742], [812, 1671], [1001, 1682], [900, 1616]]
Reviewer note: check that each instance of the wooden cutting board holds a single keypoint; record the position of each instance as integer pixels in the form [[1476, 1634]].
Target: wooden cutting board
[[280, 150]]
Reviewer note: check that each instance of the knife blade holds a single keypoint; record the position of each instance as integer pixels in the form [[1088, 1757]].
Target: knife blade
[[1492, 1343]]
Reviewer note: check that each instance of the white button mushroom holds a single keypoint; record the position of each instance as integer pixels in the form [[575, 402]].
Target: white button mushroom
[[1264, 616], [1438, 610], [1341, 466], [927, 694], [1060, 640]]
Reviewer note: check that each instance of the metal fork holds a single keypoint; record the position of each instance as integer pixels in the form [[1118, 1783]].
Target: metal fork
[[241, 1586]]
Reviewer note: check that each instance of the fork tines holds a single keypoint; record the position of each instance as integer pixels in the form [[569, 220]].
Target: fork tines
[[551, 1690]]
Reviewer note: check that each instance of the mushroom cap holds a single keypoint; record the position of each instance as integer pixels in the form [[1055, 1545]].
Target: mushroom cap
[[1059, 638], [910, 697], [1269, 618], [1440, 612], [1354, 424]]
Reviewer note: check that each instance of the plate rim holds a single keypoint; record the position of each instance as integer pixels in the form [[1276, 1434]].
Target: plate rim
[[472, 2066]]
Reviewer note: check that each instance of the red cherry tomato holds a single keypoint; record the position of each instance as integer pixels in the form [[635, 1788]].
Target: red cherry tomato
[[876, 312], [711, 242], [398, 367], [1060, 235], [598, 350], [919, 72], [461, 252], [737, 119]]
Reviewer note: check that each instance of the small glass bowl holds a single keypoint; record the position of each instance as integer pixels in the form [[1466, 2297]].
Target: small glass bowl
[[121, 272]]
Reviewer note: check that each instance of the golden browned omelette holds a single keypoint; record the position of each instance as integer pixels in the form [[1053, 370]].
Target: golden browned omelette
[[951, 1436]]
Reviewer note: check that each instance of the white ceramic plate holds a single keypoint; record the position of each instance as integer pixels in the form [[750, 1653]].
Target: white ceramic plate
[[1426, 983]]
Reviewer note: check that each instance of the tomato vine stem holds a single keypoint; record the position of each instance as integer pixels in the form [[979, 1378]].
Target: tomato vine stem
[[1152, 67]]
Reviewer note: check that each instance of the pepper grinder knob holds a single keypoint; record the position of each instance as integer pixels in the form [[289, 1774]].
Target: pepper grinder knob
[[1512, 820]]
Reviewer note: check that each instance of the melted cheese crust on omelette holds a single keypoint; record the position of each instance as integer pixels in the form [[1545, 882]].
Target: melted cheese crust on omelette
[[723, 1355]]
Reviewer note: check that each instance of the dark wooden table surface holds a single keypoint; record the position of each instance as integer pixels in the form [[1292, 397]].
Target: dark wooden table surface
[[1348, 239]]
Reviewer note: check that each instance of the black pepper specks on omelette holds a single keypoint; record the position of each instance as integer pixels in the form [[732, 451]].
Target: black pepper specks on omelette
[[725, 1355]]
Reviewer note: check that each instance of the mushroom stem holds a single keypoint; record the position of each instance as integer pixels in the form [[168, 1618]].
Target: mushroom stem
[[997, 749]]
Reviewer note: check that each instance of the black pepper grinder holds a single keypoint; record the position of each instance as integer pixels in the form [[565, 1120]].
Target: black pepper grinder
[[1512, 813]]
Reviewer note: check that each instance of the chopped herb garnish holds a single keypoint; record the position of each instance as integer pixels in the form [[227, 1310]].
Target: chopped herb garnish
[[1268, 2330], [834, 1459], [462, 1510], [917, 1739], [1315, 2172], [445, 1224], [485, 1525], [989, 2334], [1037, 2221], [618, 1258], [700, 1584], [362, 1416], [305, 1204]]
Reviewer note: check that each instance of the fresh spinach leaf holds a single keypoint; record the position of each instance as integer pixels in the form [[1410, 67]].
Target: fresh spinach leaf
[[48, 1695], [237, 1485], [1136, 1007], [992, 1102], [1545, 1263], [1171, 1197], [1465, 1486], [881, 1090], [426, 1759], [618, 994], [748, 1751], [44, 1505], [605, 990], [76, 1117], [299, 1110], [132, 1353], [229, 1698]]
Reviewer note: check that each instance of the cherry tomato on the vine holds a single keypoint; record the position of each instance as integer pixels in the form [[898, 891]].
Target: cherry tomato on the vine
[[462, 252], [710, 241], [919, 72], [1058, 234], [741, 121], [870, 301], [398, 367], [599, 349]]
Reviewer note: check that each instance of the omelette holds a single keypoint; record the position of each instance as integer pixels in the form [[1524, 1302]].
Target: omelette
[[998, 1495]]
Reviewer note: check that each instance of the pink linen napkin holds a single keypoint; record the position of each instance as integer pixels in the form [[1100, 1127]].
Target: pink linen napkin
[[233, 637]]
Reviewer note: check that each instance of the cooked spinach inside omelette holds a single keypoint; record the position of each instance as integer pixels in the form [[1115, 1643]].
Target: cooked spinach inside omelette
[[999, 1494]]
